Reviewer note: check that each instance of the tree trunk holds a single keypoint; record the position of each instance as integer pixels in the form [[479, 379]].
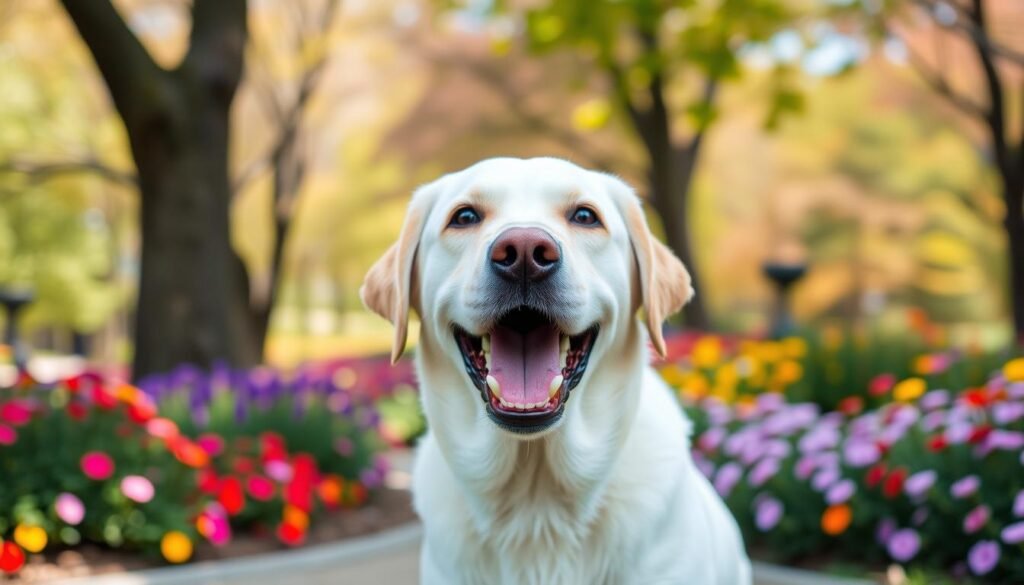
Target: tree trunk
[[192, 307], [670, 177], [1014, 224]]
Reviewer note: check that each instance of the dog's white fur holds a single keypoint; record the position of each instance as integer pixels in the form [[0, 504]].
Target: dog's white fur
[[610, 494]]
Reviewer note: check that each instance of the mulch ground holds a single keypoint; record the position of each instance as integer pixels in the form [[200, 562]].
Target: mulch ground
[[386, 509]]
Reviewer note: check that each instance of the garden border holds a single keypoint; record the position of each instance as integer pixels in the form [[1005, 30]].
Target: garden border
[[324, 556]]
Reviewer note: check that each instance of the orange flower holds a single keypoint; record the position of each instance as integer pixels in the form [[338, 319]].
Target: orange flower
[[836, 519], [331, 489]]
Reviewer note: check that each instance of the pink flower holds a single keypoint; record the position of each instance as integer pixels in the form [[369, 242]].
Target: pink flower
[[97, 465], [213, 524], [727, 477], [69, 509], [16, 412], [861, 453], [919, 483], [280, 471], [983, 557], [884, 531], [1014, 533], [8, 436], [965, 487], [767, 514], [763, 471], [137, 488], [211, 443], [1018, 504], [976, 519], [840, 492]]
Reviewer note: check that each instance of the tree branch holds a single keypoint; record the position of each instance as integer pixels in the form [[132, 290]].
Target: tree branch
[[48, 170], [216, 50], [131, 75], [977, 34], [937, 82], [996, 115]]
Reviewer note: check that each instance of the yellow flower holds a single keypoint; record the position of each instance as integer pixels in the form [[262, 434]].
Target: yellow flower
[[923, 365], [769, 351], [591, 115], [673, 375], [707, 352], [788, 371], [724, 392], [727, 375], [31, 538], [127, 393], [1014, 370], [794, 347], [909, 389], [176, 547], [695, 386]]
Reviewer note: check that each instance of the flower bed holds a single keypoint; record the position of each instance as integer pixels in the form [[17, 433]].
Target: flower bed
[[188, 458], [932, 479]]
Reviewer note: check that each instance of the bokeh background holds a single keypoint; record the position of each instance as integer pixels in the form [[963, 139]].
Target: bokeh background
[[192, 191]]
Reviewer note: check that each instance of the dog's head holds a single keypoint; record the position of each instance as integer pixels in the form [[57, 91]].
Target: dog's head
[[524, 272]]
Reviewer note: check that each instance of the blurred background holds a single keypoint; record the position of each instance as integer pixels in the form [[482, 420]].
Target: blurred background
[[174, 193]]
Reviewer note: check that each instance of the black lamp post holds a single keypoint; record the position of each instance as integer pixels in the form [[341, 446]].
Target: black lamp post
[[14, 300], [783, 275]]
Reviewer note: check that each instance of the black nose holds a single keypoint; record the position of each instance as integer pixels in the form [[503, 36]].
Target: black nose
[[525, 254]]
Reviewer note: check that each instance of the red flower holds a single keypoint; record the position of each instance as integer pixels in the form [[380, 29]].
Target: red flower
[[881, 384], [299, 491], [894, 483], [16, 412], [77, 411], [979, 433], [231, 495], [875, 475], [12, 558], [244, 465], [976, 397], [357, 493], [272, 446], [937, 443], [142, 411], [851, 405], [290, 534], [102, 398], [208, 481]]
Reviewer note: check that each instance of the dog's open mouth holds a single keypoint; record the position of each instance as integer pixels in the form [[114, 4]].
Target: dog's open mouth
[[525, 368]]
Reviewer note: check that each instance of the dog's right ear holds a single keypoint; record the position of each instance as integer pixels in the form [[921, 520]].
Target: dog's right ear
[[387, 287]]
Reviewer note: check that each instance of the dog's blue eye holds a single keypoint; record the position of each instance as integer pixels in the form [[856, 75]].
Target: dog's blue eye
[[585, 216], [465, 216]]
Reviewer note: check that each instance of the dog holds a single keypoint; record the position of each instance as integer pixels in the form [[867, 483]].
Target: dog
[[555, 454]]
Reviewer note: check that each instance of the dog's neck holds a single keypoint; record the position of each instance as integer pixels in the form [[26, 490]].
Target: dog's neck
[[563, 471]]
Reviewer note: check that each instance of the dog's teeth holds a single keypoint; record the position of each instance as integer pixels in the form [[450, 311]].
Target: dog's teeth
[[485, 343], [563, 344], [492, 383], [504, 403], [556, 383]]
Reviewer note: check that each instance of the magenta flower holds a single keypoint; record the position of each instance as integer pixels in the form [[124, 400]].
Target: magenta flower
[[278, 470], [1013, 534], [8, 436], [137, 488], [97, 465], [983, 557], [976, 519], [767, 514], [965, 487], [884, 531], [904, 544], [919, 483], [69, 509], [840, 492]]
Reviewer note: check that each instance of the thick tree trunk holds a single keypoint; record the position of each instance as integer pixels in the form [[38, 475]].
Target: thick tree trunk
[[189, 297], [1014, 224], [670, 177]]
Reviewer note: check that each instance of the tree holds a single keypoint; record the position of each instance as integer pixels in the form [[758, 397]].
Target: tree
[[662, 64], [192, 301], [970, 23]]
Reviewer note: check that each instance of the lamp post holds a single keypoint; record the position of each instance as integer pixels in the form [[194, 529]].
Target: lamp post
[[14, 300], [783, 275]]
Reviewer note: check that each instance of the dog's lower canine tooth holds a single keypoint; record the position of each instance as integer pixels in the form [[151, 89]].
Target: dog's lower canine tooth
[[492, 383], [485, 343], [563, 344], [556, 383]]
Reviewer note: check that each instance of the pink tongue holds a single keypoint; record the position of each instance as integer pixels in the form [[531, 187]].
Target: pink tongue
[[525, 364]]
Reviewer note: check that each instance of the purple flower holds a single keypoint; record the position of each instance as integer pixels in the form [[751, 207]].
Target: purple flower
[[934, 399], [861, 453], [933, 420], [1004, 413], [976, 519], [763, 471], [1005, 440], [1018, 504], [919, 483], [1014, 533], [767, 514], [983, 557], [727, 477], [706, 467], [711, 438], [886, 528], [904, 544], [920, 516], [819, 439], [840, 492], [804, 467], [824, 478], [965, 487]]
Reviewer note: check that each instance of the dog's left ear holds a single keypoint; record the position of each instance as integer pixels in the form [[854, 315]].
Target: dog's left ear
[[387, 288], [664, 282]]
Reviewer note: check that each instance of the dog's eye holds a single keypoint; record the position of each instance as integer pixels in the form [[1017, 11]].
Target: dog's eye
[[585, 216], [464, 216]]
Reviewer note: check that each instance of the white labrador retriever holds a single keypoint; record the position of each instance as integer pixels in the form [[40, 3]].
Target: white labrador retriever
[[555, 454]]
